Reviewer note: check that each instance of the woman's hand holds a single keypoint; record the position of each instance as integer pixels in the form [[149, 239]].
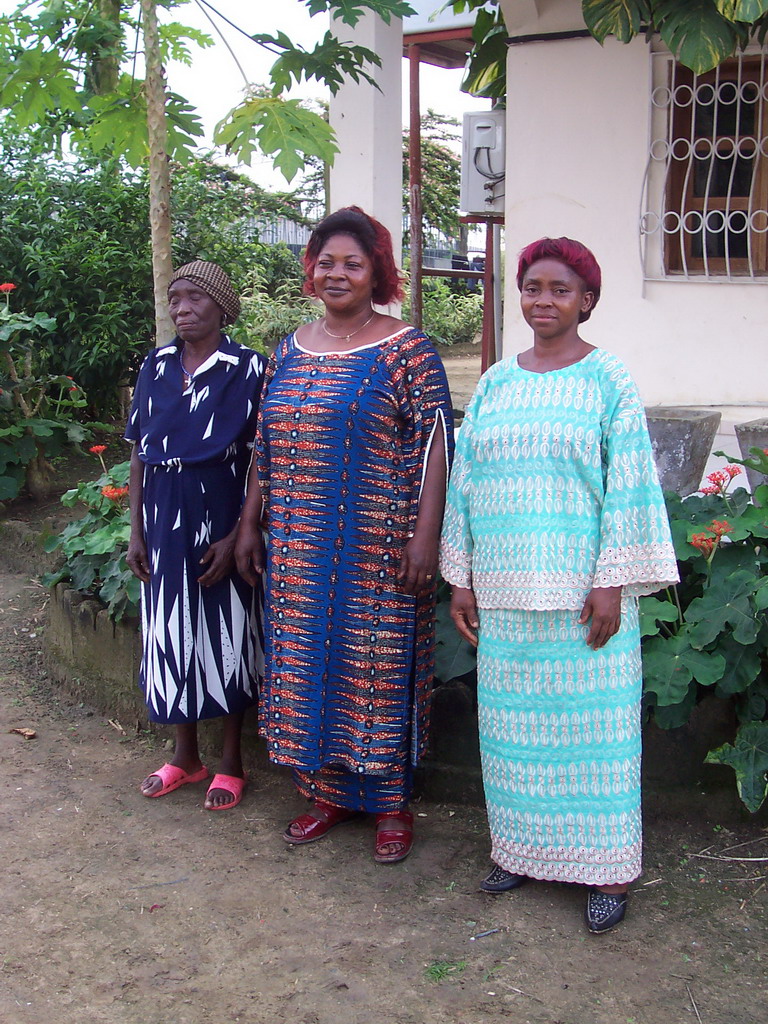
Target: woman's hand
[[249, 552], [136, 557], [603, 606], [464, 613], [418, 566], [220, 559]]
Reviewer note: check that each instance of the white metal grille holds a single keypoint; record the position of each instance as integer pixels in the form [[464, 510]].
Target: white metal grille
[[704, 210]]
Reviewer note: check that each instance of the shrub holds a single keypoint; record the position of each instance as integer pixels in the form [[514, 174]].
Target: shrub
[[709, 634], [94, 547], [449, 318]]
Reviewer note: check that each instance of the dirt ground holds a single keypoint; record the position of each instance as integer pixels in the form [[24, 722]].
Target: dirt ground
[[123, 910]]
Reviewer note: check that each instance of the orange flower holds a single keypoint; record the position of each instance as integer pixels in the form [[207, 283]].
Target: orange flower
[[114, 493], [97, 449], [720, 527], [704, 543]]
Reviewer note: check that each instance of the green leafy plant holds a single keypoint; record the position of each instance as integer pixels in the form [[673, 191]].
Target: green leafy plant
[[449, 317], [709, 634], [36, 408], [269, 315], [95, 545], [75, 238]]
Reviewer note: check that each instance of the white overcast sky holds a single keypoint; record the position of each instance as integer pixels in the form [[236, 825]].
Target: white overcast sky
[[213, 84]]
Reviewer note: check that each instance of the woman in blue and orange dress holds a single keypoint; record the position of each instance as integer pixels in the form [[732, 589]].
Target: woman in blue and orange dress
[[352, 451]]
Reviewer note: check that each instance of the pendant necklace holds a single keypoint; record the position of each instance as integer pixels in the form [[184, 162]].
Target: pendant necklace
[[188, 377], [346, 337]]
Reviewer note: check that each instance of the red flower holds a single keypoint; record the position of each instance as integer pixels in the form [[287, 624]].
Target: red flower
[[718, 478], [733, 471], [710, 490], [97, 449], [720, 527], [7, 287], [704, 543], [114, 493], [74, 389]]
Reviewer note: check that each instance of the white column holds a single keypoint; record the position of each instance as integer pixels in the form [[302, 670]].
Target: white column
[[368, 169]]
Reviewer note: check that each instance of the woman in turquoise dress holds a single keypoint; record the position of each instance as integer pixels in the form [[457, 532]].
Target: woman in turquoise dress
[[555, 524]]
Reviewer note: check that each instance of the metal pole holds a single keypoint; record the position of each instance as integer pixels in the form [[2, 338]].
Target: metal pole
[[488, 345], [414, 178]]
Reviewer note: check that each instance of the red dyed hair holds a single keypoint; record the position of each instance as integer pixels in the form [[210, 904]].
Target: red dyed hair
[[372, 237], [576, 256]]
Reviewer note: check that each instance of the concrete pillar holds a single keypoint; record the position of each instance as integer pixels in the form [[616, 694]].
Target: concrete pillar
[[368, 169]]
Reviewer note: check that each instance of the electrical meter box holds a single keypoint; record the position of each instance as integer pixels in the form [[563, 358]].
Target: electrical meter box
[[483, 163]]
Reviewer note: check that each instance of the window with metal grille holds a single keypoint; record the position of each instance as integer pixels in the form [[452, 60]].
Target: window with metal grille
[[705, 200]]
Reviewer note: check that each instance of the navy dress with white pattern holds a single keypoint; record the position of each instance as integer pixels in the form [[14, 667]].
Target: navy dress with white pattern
[[202, 647]]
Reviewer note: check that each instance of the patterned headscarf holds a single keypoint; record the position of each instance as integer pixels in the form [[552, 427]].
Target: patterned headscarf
[[214, 282]]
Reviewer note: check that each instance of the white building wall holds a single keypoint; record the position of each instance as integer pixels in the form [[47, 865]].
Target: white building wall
[[368, 169], [577, 138]]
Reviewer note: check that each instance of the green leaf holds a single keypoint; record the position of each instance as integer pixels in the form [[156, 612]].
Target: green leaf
[[727, 608], [673, 716], [329, 62], [9, 488], [106, 539], [620, 18], [698, 36], [742, 10], [280, 127], [751, 705], [653, 611], [707, 667], [742, 667], [753, 522], [748, 756], [486, 73], [665, 672], [351, 11]]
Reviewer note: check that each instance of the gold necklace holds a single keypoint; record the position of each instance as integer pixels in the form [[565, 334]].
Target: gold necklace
[[346, 337]]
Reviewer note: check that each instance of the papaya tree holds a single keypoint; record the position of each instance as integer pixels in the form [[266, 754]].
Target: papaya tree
[[67, 69]]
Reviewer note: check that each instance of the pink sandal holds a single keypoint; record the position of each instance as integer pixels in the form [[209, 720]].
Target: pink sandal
[[230, 784], [172, 777]]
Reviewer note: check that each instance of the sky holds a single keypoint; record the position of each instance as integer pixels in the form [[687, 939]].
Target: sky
[[214, 84]]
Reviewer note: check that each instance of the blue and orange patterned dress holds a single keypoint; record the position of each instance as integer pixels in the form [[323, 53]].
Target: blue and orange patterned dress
[[554, 491], [342, 444]]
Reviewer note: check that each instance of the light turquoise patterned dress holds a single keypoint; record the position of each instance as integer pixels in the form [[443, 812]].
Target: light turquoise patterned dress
[[554, 491]]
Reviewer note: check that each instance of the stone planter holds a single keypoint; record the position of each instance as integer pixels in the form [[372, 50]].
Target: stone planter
[[753, 434], [682, 441]]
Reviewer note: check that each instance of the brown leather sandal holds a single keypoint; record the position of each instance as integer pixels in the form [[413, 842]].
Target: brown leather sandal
[[313, 828], [387, 836]]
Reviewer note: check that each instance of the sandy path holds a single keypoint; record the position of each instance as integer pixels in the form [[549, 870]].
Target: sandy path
[[122, 910]]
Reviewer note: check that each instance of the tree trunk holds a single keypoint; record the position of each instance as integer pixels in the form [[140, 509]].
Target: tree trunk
[[105, 69], [159, 174]]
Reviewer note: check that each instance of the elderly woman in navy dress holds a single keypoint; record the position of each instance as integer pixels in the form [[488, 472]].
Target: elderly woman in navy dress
[[192, 420]]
